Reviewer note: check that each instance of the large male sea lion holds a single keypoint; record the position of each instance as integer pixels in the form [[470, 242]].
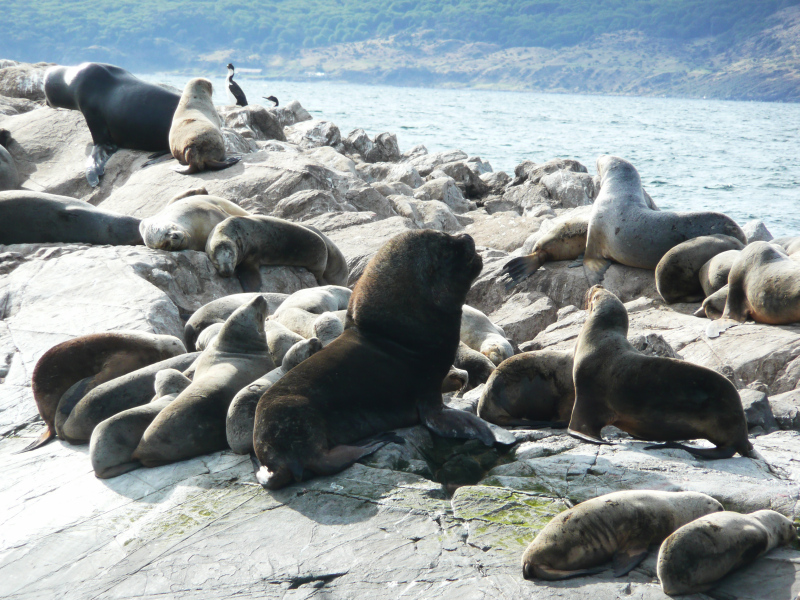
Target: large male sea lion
[[619, 526], [385, 371], [38, 218], [678, 273], [763, 285], [624, 229], [194, 423], [121, 111], [243, 244], [68, 371], [702, 552], [649, 397], [185, 223], [195, 138]]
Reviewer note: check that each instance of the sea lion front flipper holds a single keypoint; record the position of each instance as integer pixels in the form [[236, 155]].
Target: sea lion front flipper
[[704, 453], [96, 163], [626, 561], [578, 262], [594, 264], [47, 436], [459, 424], [249, 277], [340, 457], [586, 422], [217, 165], [68, 401]]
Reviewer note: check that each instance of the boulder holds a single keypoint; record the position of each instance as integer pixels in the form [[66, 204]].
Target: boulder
[[252, 122], [533, 172], [756, 231], [496, 181], [786, 409], [235, 144], [390, 188], [480, 167], [425, 163], [290, 114], [390, 172], [758, 411], [383, 148], [367, 198], [469, 182], [444, 190], [524, 315], [527, 198], [313, 133], [426, 214], [330, 158], [505, 231], [24, 80], [569, 189], [16, 106], [304, 205], [415, 152]]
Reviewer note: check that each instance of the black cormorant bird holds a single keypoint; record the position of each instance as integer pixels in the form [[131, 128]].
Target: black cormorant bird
[[271, 99], [234, 88]]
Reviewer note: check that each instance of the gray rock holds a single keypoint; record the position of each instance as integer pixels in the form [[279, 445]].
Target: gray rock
[[444, 190], [313, 133], [304, 205], [480, 167], [501, 230], [390, 188], [756, 231], [757, 410], [496, 181], [15, 106], [9, 176], [23, 80], [330, 158], [533, 172], [367, 198], [468, 181], [653, 344], [524, 315], [415, 152], [527, 197], [252, 122], [569, 189], [426, 163], [390, 172], [786, 409], [426, 214], [290, 114]]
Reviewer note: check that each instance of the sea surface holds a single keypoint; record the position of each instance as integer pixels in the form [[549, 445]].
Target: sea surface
[[740, 158]]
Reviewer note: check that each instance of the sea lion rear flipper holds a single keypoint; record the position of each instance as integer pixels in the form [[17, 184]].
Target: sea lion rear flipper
[[550, 574], [47, 436], [217, 165], [340, 457], [96, 163], [185, 170], [626, 561], [459, 424], [705, 453], [249, 277], [521, 267], [158, 157], [578, 262]]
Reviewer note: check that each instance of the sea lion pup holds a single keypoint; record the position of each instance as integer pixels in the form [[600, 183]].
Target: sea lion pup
[[649, 397], [194, 423], [764, 285], [480, 334], [195, 138], [242, 411], [68, 371], [37, 218], [121, 110], [9, 176], [623, 229], [114, 440], [532, 389], [678, 273], [619, 526], [455, 380], [218, 311], [385, 371], [714, 305], [119, 394], [241, 245], [702, 552], [477, 365], [185, 224]]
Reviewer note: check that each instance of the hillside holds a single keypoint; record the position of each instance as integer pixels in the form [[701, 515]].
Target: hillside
[[722, 48]]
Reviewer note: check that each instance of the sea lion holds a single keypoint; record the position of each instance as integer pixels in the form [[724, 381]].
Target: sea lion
[[218, 311], [9, 176], [315, 312], [790, 244], [280, 340], [678, 276], [68, 371], [619, 526], [455, 380], [714, 305], [121, 110], [207, 336], [243, 244], [477, 365], [38, 218], [385, 371], [114, 440], [112, 397], [649, 397], [702, 552], [194, 423], [764, 285], [530, 389], [480, 334], [242, 411], [714, 273], [623, 229], [195, 137], [185, 224]]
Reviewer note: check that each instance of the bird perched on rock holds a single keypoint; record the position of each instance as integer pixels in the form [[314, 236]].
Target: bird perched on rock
[[271, 99], [233, 88]]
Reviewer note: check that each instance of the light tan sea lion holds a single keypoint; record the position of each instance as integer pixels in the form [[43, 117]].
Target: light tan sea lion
[[694, 558], [195, 138], [480, 334], [624, 229], [619, 526]]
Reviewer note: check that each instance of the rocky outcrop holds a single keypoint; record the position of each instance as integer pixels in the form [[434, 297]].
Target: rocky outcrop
[[23, 80]]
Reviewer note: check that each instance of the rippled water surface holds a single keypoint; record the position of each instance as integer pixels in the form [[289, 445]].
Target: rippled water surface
[[741, 158]]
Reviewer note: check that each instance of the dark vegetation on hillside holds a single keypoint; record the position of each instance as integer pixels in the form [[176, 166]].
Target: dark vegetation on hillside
[[147, 34]]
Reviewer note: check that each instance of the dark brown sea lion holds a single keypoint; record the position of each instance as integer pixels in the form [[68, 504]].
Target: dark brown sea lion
[[678, 272], [649, 397], [68, 371], [384, 372], [624, 229], [619, 526]]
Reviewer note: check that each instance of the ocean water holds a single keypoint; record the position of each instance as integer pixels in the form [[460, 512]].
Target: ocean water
[[740, 158]]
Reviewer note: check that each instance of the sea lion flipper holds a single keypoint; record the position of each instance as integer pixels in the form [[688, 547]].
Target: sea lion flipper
[[522, 267], [595, 268], [578, 262], [626, 561], [459, 424], [550, 574], [249, 277], [47, 436], [158, 157], [185, 170], [218, 165], [96, 163], [704, 453], [340, 457]]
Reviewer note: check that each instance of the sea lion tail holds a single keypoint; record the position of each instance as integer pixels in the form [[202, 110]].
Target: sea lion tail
[[521, 267]]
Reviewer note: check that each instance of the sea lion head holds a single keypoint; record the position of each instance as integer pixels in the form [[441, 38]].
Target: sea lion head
[[243, 331], [57, 91], [327, 327], [164, 235], [604, 307], [608, 166], [222, 250], [199, 88], [299, 352], [413, 289]]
